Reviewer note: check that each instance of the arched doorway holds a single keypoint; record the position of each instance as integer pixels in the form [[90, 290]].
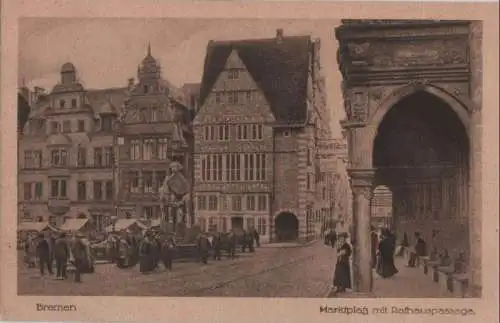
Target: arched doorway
[[421, 151], [287, 227]]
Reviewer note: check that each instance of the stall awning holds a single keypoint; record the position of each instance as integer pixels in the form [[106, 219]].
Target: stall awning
[[155, 223], [124, 224], [73, 224], [35, 226]]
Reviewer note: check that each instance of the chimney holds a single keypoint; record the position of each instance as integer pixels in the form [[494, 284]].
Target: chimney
[[279, 34]]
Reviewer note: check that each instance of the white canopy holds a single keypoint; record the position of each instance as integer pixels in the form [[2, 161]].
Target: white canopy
[[35, 227], [73, 225], [125, 224]]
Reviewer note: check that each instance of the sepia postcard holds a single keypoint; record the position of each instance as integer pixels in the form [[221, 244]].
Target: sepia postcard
[[249, 161]]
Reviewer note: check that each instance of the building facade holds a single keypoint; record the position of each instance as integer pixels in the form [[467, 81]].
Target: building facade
[[154, 130], [262, 112], [66, 153]]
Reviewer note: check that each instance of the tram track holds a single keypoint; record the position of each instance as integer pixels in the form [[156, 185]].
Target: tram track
[[212, 287]]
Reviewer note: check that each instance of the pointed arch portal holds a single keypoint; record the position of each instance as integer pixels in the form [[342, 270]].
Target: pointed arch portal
[[413, 104]]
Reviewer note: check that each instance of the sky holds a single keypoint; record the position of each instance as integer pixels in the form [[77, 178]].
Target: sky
[[107, 51]]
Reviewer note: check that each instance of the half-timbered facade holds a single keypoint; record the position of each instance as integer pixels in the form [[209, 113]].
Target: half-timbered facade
[[256, 134]]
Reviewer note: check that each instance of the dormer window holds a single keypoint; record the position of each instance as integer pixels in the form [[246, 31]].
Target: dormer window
[[62, 103], [106, 123], [286, 133], [146, 89], [233, 74], [73, 103], [218, 97]]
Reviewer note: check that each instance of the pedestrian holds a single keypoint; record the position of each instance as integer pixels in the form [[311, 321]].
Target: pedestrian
[[123, 254], [43, 254], [61, 255], [78, 251], [145, 256], [386, 248], [342, 274], [216, 246], [203, 247], [256, 236], [374, 246], [168, 252], [419, 250]]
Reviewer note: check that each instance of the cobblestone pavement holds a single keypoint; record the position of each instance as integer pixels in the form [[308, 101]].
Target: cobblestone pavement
[[270, 272]]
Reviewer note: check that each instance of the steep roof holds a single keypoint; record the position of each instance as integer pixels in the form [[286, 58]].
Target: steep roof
[[102, 100], [23, 111], [279, 67]]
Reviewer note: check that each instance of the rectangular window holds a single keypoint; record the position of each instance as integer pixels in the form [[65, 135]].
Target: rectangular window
[[212, 132], [38, 191], [226, 132], [211, 224], [239, 131], [249, 96], [203, 224], [73, 103], [160, 177], [202, 202], [232, 97], [54, 127], [244, 135], [148, 149], [66, 126], [148, 212], [82, 190], [218, 97], [203, 160], [262, 203], [220, 134], [58, 157], [81, 125], [107, 123], [97, 190], [214, 167], [63, 188], [162, 149], [220, 169], [148, 182], [250, 223], [212, 203], [27, 159], [207, 132], [261, 226], [134, 182], [233, 74], [98, 157], [108, 156], [135, 150], [62, 104], [82, 157], [236, 203], [54, 188], [109, 190], [154, 115], [251, 203], [27, 192], [251, 167], [224, 224], [260, 131], [254, 131]]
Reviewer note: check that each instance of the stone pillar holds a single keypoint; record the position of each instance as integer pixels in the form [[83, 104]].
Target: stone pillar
[[361, 183], [475, 139]]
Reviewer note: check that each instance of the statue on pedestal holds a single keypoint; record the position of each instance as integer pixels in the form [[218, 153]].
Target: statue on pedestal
[[174, 194]]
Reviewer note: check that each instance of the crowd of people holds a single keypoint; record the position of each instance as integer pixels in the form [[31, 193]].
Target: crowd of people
[[384, 249], [149, 250], [60, 249]]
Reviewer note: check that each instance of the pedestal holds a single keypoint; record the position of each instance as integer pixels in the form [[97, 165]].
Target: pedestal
[[361, 184]]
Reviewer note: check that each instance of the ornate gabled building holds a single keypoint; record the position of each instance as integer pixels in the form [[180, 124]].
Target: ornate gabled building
[[154, 130], [262, 111], [66, 153]]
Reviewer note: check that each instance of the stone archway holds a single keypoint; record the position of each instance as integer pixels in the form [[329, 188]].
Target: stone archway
[[422, 150], [413, 104], [286, 225]]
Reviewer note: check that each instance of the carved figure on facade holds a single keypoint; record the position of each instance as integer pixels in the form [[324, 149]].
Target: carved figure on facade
[[358, 106]]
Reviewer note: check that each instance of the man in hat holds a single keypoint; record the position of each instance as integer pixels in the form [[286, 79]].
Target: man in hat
[[43, 254], [79, 256], [61, 255]]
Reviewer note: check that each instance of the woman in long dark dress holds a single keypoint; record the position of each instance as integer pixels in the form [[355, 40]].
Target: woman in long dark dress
[[342, 275], [386, 248]]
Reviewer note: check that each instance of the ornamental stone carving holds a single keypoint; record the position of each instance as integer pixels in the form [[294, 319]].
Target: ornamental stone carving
[[409, 54], [357, 105]]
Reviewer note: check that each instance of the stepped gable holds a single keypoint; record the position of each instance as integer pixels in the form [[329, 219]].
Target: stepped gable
[[279, 66]]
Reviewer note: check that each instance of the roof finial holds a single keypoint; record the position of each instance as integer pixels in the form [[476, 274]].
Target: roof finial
[[149, 48]]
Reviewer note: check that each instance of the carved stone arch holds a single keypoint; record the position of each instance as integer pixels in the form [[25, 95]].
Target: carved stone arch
[[460, 108]]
